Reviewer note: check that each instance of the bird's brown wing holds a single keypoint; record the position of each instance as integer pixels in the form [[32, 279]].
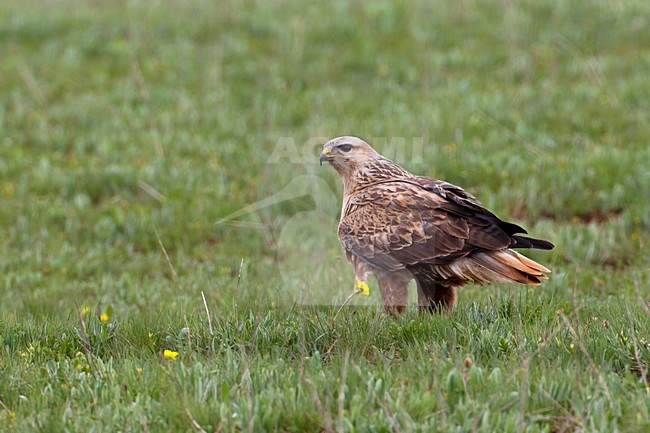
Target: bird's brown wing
[[396, 224], [460, 202]]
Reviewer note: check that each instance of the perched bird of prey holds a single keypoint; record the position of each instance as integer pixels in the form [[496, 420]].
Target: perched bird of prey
[[398, 226]]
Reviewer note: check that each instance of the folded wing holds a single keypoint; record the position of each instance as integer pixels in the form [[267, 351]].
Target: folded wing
[[422, 221]]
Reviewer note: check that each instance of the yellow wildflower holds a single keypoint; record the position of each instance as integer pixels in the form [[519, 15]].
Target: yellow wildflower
[[170, 354], [103, 317], [362, 287], [8, 189], [149, 334], [85, 310]]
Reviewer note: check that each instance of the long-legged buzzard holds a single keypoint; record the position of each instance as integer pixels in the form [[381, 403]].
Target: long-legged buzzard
[[398, 226]]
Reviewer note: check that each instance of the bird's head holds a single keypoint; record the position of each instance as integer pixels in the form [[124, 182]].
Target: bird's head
[[358, 164], [347, 153]]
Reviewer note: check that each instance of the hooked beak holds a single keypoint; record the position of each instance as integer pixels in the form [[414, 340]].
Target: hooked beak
[[324, 156]]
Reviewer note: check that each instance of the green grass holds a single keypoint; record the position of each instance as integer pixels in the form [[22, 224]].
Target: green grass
[[125, 126]]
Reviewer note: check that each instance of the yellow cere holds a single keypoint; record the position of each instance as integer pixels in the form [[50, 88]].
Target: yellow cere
[[170, 354], [362, 287]]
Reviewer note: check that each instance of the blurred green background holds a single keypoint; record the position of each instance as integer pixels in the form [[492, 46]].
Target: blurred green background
[[126, 126]]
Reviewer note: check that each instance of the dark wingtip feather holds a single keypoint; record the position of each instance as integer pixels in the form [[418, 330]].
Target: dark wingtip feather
[[525, 242], [511, 228]]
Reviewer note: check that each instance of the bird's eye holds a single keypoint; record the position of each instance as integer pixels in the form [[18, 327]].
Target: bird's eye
[[345, 147]]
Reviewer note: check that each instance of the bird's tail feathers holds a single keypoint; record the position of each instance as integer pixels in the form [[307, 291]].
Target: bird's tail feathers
[[512, 266], [504, 266]]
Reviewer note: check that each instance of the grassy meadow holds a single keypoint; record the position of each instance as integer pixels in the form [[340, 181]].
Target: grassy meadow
[[160, 190]]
